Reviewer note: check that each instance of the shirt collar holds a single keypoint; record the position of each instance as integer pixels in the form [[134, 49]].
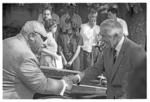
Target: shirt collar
[[118, 47], [90, 26]]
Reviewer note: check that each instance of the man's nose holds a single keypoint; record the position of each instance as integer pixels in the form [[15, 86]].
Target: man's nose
[[104, 40], [43, 45]]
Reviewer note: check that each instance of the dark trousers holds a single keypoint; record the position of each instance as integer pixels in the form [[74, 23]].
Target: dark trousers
[[76, 64], [87, 60]]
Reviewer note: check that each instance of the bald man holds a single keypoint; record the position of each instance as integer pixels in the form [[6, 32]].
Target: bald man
[[22, 76], [120, 56]]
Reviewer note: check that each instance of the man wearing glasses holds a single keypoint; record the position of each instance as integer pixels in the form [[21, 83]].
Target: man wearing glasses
[[22, 76]]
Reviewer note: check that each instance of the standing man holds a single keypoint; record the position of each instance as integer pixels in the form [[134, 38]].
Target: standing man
[[112, 14], [22, 76], [120, 57], [52, 14], [89, 32]]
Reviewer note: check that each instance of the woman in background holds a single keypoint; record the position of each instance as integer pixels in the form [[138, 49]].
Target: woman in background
[[70, 43], [49, 55]]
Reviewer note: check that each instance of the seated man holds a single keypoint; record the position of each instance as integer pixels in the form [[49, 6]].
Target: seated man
[[22, 76]]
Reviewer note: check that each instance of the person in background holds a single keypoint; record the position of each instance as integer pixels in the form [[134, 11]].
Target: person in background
[[53, 14], [70, 14], [48, 54], [70, 43], [113, 14], [48, 13], [22, 76], [121, 57], [89, 32]]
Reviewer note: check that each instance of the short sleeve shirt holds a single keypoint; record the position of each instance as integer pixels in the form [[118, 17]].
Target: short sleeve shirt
[[69, 45], [89, 36]]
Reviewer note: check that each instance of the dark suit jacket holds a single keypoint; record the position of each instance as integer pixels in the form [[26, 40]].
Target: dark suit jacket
[[128, 59], [22, 76]]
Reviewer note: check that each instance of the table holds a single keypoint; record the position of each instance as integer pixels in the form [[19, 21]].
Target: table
[[82, 91]]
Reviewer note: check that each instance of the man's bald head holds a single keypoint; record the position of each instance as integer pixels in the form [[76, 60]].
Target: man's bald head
[[35, 34], [33, 26]]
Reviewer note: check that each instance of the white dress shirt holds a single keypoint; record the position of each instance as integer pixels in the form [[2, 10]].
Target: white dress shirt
[[64, 87], [89, 36], [119, 45]]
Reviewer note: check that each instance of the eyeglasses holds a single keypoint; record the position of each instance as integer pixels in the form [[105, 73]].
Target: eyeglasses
[[54, 26], [43, 37]]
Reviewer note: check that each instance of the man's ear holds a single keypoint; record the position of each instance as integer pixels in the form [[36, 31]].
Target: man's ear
[[31, 37], [115, 36]]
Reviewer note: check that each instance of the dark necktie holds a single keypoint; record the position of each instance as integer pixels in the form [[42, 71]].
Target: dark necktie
[[114, 56]]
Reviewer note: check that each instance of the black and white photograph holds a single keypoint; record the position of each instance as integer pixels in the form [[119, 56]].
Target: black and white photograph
[[74, 50]]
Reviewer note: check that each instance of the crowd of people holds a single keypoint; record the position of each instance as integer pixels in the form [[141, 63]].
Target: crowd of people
[[66, 43]]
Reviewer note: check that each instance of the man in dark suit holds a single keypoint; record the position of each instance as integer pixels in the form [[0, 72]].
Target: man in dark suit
[[121, 56], [135, 87], [22, 76]]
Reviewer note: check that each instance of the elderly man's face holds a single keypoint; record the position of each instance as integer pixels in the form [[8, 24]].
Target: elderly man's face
[[36, 41], [111, 38], [47, 14]]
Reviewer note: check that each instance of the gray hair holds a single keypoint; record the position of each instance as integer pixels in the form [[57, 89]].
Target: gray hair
[[33, 26], [110, 24]]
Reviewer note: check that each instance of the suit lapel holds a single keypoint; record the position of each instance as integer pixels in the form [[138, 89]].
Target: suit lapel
[[108, 58], [115, 66]]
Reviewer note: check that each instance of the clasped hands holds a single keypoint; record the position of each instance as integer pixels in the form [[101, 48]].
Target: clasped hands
[[68, 64]]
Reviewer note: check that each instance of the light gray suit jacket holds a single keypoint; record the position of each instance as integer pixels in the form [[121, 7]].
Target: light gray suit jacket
[[22, 76]]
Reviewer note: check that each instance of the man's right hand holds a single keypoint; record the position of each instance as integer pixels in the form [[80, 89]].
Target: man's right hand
[[68, 82], [76, 78], [73, 79]]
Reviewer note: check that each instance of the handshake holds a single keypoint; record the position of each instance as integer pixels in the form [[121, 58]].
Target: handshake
[[70, 80]]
